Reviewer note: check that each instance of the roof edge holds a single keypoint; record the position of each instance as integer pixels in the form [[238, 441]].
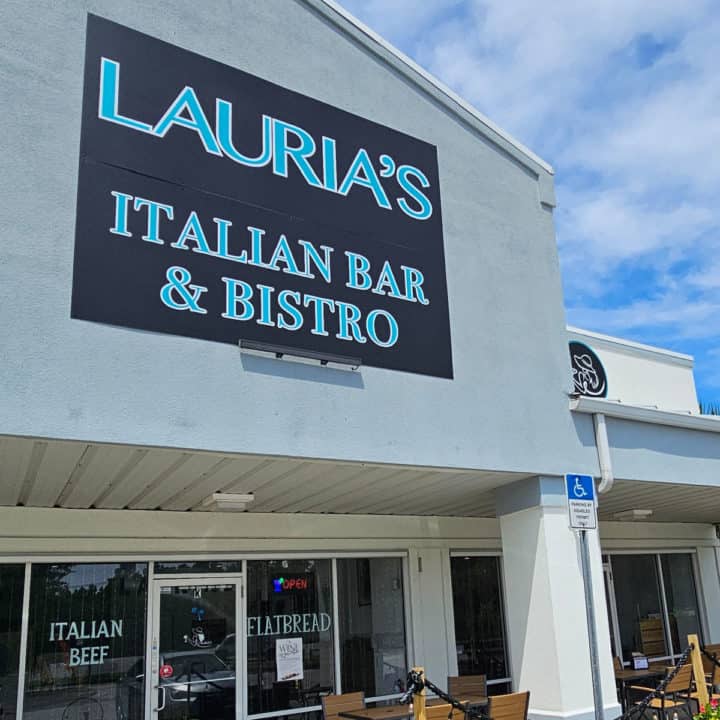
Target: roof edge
[[669, 355], [338, 15], [653, 416]]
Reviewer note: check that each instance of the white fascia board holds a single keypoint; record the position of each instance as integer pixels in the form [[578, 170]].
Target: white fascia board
[[339, 16], [613, 409], [636, 348]]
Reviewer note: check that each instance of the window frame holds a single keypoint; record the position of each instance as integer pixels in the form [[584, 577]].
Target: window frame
[[452, 639], [24, 624], [244, 557], [79, 559], [406, 617], [333, 557]]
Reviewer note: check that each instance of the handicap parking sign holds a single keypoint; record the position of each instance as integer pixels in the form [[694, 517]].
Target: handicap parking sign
[[580, 490]]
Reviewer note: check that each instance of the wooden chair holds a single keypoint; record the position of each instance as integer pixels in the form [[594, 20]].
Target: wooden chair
[[708, 678], [465, 686], [334, 704], [443, 712], [509, 707], [652, 637], [676, 693], [712, 677]]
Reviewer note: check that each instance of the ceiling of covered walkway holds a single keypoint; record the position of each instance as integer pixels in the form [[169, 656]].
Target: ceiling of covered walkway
[[72, 474]]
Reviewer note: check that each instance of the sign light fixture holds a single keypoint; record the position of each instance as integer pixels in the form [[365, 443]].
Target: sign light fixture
[[634, 514], [285, 352]]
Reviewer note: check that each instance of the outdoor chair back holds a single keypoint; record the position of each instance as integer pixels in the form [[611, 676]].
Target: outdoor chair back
[[509, 707], [465, 686], [334, 704], [682, 682], [710, 668], [652, 637]]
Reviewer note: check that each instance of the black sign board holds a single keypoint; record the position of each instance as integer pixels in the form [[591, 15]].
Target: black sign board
[[589, 377], [217, 205]]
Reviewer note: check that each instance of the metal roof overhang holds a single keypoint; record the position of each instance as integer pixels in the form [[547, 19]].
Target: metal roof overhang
[[41, 472], [664, 461], [38, 472]]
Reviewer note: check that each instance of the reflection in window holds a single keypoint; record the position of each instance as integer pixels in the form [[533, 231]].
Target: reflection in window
[[198, 567], [681, 598], [478, 610], [372, 625], [197, 652], [86, 642], [639, 608], [610, 621], [12, 578], [288, 600]]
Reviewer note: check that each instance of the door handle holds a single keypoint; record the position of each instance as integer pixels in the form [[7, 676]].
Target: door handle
[[164, 695]]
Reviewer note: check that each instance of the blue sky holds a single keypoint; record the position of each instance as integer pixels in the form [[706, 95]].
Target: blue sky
[[622, 97]]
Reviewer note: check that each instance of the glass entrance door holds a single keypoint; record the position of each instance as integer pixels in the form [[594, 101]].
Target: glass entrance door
[[194, 659]]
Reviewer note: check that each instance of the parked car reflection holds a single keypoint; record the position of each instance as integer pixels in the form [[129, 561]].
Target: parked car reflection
[[198, 684], [226, 650]]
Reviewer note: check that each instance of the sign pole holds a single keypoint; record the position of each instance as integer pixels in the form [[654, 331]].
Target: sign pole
[[580, 490], [592, 632]]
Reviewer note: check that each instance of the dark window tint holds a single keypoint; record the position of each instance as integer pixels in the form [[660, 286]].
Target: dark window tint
[[86, 639], [12, 578], [372, 625], [681, 599], [288, 600], [639, 607], [478, 610]]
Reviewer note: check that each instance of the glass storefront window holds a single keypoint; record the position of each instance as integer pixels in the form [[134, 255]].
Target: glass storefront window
[[86, 641], [12, 579], [479, 622], [372, 625], [681, 598], [643, 625], [290, 660], [639, 606]]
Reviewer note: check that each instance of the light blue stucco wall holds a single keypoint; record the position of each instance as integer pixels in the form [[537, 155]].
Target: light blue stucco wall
[[642, 451], [507, 407]]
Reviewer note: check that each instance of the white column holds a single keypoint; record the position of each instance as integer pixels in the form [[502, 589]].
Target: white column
[[431, 611], [545, 602]]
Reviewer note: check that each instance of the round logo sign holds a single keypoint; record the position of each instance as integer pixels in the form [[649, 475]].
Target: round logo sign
[[166, 671], [588, 373]]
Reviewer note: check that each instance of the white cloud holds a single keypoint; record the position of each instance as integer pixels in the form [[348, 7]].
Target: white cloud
[[669, 317], [708, 278], [623, 97], [611, 226]]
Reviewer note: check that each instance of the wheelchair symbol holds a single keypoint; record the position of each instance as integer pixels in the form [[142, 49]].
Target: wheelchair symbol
[[579, 490]]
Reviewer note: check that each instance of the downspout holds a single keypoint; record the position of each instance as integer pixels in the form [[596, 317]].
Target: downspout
[[603, 450]]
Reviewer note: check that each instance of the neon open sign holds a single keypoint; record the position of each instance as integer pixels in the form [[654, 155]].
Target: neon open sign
[[288, 584]]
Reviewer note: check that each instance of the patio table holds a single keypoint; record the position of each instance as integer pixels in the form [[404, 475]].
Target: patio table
[[624, 678]]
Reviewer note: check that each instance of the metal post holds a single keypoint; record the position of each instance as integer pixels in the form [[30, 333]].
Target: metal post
[[419, 698], [698, 670], [592, 634]]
